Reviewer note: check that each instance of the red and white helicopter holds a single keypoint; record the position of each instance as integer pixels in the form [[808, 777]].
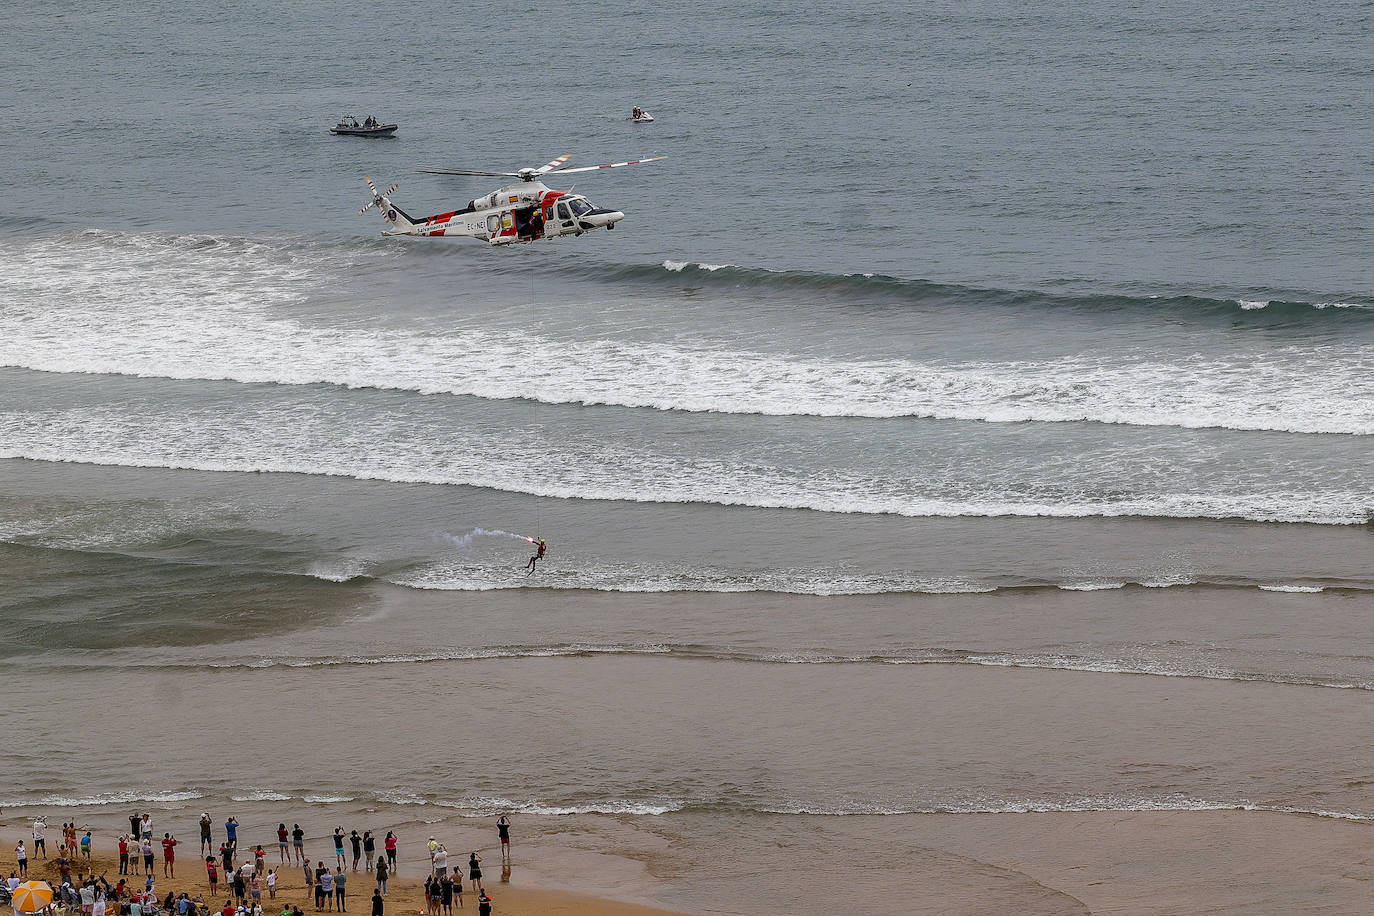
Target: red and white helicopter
[[520, 212]]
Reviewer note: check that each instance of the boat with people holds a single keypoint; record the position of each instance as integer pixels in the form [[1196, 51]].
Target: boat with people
[[639, 116], [349, 126]]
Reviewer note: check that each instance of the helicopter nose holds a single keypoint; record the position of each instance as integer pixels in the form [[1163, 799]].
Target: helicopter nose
[[597, 218]]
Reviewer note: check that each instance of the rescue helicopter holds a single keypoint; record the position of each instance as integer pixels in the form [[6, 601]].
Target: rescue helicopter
[[521, 212]]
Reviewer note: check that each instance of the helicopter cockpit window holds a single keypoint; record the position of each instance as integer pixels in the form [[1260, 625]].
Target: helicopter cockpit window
[[579, 206], [563, 211], [493, 223]]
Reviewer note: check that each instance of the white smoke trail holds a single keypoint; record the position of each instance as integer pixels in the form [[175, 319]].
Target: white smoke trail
[[465, 541]]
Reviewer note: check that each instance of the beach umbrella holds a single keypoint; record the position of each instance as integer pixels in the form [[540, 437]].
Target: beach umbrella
[[31, 896]]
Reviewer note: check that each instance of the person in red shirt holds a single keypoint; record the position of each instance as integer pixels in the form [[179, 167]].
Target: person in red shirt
[[123, 854], [540, 547], [212, 870], [281, 842], [169, 856]]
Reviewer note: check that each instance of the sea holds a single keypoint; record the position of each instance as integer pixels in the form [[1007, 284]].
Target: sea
[[971, 415]]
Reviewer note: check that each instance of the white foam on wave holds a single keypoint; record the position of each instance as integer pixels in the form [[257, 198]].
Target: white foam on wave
[[99, 799], [400, 797], [487, 806], [338, 569], [1250, 304], [260, 795], [459, 575], [1087, 804], [308, 441], [1295, 589], [326, 799], [158, 307]]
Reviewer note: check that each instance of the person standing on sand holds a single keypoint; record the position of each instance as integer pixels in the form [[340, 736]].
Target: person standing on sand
[[484, 905], [324, 889], [212, 872], [23, 858], [446, 894], [231, 833], [282, 835], [339, 846], [271, 884], [475, 872], [86, 846], [390, 844], [382, 872], [123, 855], [440, 861], [298, 844], [503, 831], [145, 827], [147, 849], [169, 856], [206, 844], [40, 843], [340, 884], [309, 880], [369, 849], [357, 844], [134, 823], [377, 902]]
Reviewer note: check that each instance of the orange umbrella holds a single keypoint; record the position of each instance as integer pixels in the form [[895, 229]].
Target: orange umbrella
[[31, 896]]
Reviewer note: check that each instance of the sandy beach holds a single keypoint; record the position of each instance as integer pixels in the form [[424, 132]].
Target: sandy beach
[[1032, 863], [405, 894]]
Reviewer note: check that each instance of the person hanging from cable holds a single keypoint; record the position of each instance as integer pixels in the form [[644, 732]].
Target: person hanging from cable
[[540, 546]]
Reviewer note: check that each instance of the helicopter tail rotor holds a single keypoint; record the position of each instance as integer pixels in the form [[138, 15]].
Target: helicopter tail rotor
[[378, 197]]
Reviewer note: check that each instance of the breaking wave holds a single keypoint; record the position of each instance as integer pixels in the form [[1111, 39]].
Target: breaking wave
[[210, 309]]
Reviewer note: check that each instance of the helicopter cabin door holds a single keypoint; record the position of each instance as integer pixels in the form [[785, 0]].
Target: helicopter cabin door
[[529, 223]]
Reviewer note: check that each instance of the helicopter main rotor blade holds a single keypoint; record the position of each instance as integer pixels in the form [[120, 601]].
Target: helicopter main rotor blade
[[612, 165], [473, 172], [551, 166]]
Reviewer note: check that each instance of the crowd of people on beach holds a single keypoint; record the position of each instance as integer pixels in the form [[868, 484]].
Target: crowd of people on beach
[[245, 876]]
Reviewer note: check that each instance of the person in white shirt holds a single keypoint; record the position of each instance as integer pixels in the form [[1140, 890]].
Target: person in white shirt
[[40, 844]]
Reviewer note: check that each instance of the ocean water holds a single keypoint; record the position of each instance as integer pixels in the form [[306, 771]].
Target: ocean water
[[966, 384]]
